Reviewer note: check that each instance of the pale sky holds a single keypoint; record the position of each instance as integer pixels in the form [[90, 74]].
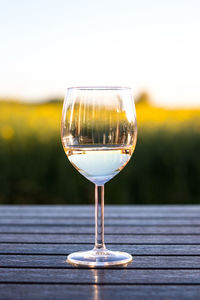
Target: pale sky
[[152, 45]]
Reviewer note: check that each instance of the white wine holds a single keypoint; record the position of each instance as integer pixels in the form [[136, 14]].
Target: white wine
[[100, 164], [99, 132]]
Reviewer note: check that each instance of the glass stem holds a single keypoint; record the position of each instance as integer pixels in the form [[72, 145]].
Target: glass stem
[[99, 217]]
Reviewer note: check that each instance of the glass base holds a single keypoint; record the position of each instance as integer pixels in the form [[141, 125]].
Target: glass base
[[99, 258]]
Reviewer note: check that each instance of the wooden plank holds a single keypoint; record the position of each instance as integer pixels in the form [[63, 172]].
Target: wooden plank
[[108, 213], [52, 229], [62, 208], [44, 249], [85, 238], [88, 212], [87, 215], [108, 221], [100, 276], [97, 292], [91, 216], [139, 262]]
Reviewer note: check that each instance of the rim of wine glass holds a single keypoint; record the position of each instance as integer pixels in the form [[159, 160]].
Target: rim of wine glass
[[99, 88]]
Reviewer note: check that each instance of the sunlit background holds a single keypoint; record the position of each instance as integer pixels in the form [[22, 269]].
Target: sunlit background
[[151, 46]]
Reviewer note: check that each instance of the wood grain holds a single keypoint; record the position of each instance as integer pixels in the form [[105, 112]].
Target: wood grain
[[97, 292], [109, 230], [89, 239], [120, 221], [43, 249], [100, 276], [164, 242], [139, 262]]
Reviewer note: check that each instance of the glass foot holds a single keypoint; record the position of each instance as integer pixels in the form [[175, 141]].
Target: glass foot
[[99, 258]]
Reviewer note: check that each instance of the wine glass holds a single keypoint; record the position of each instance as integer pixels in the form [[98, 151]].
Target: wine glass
[[99, 134]]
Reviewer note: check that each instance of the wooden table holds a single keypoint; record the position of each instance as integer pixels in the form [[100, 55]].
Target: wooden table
[[164, 241]]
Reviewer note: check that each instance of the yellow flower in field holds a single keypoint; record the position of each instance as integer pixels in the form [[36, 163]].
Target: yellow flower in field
[[43, 120], [7, 132]]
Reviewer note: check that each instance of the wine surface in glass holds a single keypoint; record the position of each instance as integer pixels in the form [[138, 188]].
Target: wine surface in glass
[[99, 164]]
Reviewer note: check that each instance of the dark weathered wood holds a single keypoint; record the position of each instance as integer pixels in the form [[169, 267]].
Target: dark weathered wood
[[108, 214], [44, 249], [98, 292], [113, 230], [100, 276], [62, 208], [71, 221], [164, 242], [85, 238], [139, 262]]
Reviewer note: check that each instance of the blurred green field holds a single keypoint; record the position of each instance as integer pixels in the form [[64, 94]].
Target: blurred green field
[[165, 168]]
